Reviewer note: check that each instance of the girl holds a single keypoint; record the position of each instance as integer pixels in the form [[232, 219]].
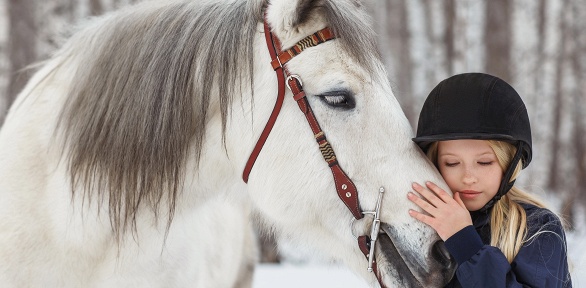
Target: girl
[[475, 129]]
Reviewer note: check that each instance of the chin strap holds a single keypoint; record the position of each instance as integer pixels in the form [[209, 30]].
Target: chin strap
[[506, 182]]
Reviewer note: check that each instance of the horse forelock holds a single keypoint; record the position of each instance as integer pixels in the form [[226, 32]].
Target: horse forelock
[[353, 29], [145, 83]]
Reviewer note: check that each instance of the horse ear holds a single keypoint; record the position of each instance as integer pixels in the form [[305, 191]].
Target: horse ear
[[303, 11], [287, 16]]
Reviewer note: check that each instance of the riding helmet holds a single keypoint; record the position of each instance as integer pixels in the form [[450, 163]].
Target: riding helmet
[[477, 106]]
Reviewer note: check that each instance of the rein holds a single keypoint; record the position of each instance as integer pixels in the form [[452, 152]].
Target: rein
[[345, 188]]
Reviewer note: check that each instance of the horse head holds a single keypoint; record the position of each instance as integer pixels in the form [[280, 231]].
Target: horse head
[[347, 88]]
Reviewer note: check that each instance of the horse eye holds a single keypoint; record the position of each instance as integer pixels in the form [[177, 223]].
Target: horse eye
[[338, 99]]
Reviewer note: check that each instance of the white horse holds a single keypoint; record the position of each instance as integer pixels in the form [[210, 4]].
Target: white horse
[[121, 160]]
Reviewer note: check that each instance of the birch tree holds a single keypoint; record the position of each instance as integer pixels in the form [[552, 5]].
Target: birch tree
[[22, 44], [497, 38]]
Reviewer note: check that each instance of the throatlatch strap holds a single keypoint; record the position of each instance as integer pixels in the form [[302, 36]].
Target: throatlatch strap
[[276, 110]]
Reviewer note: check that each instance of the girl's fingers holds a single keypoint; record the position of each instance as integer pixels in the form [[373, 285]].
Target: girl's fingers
[[422, 217], [458, 199], [421, 203], [443, 195], [446, 215], [428, 195]]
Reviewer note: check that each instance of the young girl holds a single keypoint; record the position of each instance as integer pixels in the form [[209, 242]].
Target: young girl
[[475, 129]]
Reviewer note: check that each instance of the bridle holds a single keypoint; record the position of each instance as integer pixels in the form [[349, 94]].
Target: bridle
[[345, 188]]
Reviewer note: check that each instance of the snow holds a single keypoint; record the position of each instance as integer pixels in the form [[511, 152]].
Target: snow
[[308, 276], [577, 255], [577, 250], [316, 275], [312, 275]]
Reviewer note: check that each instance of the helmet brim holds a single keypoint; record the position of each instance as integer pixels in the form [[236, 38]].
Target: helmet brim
[[424, 141]]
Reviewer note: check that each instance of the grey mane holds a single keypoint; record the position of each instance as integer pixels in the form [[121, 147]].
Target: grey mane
[[139, 102]]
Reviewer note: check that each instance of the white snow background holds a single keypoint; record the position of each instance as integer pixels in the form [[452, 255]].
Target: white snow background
[[294, 275]]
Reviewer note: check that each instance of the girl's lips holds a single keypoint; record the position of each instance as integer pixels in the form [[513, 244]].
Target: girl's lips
[[469, 194]]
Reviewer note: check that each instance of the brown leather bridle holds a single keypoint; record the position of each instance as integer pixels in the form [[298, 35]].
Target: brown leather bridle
[[345, 188]]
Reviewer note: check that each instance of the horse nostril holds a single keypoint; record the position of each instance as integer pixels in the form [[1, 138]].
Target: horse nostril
[[441, 254]]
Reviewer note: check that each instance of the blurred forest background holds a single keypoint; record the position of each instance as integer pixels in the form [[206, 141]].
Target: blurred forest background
[[539, 46]]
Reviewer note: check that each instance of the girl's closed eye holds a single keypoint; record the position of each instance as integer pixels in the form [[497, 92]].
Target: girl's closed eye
[[485, 163], [451, 164]]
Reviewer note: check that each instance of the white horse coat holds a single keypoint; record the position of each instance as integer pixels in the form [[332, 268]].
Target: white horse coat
[[117, 171]]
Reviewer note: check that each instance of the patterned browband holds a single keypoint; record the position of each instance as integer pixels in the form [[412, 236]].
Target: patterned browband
[[309, 41]]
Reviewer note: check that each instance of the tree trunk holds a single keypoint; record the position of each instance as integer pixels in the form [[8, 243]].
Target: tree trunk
[[401, 40], [435, 52], [96, 7], [497, 37], [536, 105], [22, 44], [70, 10], [449, 16], [555, 174], [578, 55]]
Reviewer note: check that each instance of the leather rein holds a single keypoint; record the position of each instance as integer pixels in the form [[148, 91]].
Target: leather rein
[[345, 188]]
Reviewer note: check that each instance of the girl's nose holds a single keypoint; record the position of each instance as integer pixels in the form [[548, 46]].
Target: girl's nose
[[469, 177]]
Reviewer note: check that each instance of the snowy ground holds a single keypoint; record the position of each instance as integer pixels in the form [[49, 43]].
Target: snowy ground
[[314, 275], [577, 253], [307, 276]]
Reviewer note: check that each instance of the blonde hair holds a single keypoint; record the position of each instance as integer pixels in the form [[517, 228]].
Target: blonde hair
[[508, 220]]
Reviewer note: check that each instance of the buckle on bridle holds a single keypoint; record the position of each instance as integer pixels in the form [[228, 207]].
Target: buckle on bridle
[[374, 229], [291, 77]]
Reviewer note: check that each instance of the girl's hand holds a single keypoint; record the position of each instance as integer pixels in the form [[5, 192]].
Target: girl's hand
[[447, 215]]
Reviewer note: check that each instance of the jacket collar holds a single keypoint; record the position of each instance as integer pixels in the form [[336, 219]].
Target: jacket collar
[[480, 218]]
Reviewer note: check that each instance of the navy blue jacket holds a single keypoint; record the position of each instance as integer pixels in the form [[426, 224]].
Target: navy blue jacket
[[541, 261]]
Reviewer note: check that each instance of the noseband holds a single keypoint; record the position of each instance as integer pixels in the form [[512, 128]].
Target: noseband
[[345, 188]]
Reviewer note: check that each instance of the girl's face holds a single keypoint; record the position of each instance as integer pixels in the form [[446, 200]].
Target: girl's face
[[470, 168]]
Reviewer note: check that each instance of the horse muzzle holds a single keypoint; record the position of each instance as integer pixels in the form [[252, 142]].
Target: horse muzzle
[[402, 268]]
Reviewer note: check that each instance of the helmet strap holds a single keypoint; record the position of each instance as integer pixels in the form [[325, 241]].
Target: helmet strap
[[506, 182]]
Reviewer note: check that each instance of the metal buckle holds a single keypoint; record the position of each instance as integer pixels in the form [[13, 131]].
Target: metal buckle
[[291, 77], [375, 228]]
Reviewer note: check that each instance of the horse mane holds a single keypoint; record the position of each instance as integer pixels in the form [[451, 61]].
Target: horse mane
[[139, 101]]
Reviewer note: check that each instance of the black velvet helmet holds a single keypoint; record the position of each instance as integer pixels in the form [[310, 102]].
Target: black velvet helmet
[[477, 106]]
